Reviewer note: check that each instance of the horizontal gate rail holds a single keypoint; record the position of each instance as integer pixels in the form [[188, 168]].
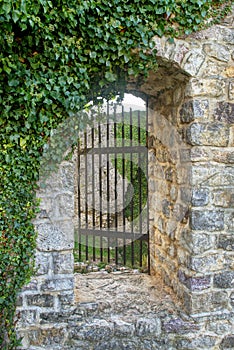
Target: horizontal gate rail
[[114, 150], [113, 234]]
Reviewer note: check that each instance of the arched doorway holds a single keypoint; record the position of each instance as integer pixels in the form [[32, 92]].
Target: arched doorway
[[190, 192]]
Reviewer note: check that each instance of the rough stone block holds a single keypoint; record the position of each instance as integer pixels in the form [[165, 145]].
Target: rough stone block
[[212, 134], [27, 318], [232, 299], [193, 109], [96, 330], [231, 91], [229, 221], [54, 317], [198, 243], [226, 242], [201, 342], [195, 283], [50, 337], [51, 237], [224, 280], [224, 198], [43, 263], [208, 220], [208, 263], [19, 301], [179, 326], [166, 205], [193, 61], [58, 284], [200, 197], [146, 326], [218, 51], [224, 112], [63, 263], [206, 302], [122, 328], [42, 300], [66, 299], [214, 87], [31, 286], [219, 327], [227, 343]]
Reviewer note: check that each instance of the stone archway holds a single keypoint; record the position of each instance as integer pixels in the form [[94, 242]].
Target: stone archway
[[191, 192]]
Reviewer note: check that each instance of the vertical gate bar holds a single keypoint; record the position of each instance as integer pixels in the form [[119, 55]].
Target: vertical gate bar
[[100, 187], [131, 182], [108, 180], [140, 184], [116, 191], [86, 196], [79, 204], [123, 177], [93, 193], [147, 188]]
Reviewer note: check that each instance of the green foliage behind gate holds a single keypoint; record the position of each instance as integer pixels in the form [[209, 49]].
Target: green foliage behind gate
[[54, 58]]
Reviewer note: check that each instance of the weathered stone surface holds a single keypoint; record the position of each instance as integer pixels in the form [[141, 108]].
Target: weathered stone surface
[[220, 327], [54, 317], [224, 198], [208, 263], [193, 61], [123, 329], [231, 91], [63, 263], [226, 242], [50, 238], [205, 87], [27, 318], [47, 337], [198, 243], [210, 220], [194, 109], [195, 283], [224, 112], [212, 134], [227, 343], [202, 342], [219, 52], [179, 326], [147, 326], [32, 286], [208, 302], [96, 330], [43, 263], [19, 301], [58, 284], [66, 299], [42, 300], [224, 280], [200, 197]]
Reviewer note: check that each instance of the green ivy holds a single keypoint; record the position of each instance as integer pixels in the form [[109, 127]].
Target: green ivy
[[54, 58]]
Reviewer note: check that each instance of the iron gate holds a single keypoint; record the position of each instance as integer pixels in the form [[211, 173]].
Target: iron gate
[[112, 196]]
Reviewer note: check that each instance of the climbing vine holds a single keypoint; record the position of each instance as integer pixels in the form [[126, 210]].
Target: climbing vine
[[54, 58]]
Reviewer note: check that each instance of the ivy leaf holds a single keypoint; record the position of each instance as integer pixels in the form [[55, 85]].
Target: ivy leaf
[[110, 77]]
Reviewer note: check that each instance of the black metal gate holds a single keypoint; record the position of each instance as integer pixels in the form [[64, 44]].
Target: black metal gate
[[112, 191]]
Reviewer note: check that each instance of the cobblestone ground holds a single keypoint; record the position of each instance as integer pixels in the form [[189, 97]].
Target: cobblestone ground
[[129, 293], [124, 310]]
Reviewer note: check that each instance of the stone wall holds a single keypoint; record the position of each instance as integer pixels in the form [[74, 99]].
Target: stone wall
[[191, 178], [51, 290], [191, 184]]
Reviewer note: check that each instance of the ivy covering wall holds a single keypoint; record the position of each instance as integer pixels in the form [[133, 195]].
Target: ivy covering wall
[[54, 58]]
